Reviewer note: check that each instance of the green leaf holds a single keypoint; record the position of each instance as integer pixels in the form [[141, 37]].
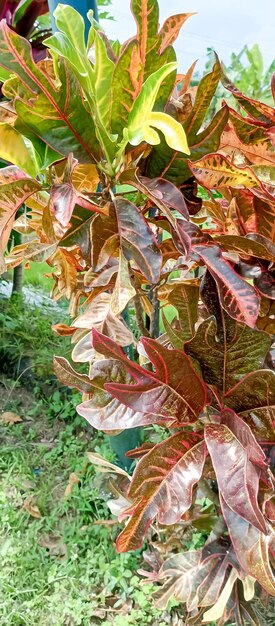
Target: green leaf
[[204, 95], [184, 298], [103, 69], [54, 113], [18, 150], [126, 84], [70, 44]]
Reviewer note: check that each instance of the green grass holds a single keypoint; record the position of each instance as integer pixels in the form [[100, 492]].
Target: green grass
[[62, 569], [35, 276]]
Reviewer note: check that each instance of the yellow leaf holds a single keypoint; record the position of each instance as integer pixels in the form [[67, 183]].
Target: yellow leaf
[[172, 130], [85, 178], [105, 466], [73, 480], [10, 418], [217, 609]]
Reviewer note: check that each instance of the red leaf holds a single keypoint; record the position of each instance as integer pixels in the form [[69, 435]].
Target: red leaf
[[253, 398], [176, 394], [162, 190], [237, 297], [138, 240], [238, 478], [251, 547], [245, 436], [63, 198], [162, 487]]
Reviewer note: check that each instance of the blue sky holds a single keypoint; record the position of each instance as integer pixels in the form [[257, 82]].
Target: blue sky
[[225, 25]]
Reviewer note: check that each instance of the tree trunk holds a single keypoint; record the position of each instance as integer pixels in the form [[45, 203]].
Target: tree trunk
[[17, 281]]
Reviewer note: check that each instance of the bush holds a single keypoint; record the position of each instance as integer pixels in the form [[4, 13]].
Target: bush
[[126, 183]]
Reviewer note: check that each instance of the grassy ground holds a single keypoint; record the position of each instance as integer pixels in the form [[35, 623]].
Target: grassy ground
[[59, 566]]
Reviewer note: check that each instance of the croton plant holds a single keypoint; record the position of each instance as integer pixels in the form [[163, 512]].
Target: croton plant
[[139, 205]]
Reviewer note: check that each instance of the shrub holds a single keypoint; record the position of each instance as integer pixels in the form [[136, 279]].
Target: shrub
[[136, 201]]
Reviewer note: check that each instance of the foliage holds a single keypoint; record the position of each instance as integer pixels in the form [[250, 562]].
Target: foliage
[[246, 70], [134, 199]]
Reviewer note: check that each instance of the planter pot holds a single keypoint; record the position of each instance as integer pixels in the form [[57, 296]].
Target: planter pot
[[82, 6]]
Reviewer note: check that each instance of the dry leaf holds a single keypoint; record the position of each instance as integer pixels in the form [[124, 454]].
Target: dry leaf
[[32, 509], [105, 466], [10, 418], [73, 480]]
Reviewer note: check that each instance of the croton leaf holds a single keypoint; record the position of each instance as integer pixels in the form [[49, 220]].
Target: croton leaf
[[146, 14], [265, 283], [159, 191], [237, 297], [171, 28], [104, 238], [68, 376], [16, 149], [253, 244], [184, 297], [253, 398], [175, 394], [257, 110], [105, 412], [218, 348], [175, 165], [142, 118], [98, 314], [215, 171], [167, 473], [123, 290], [204, 95], [15, 188], [260, 154], [251, 547], [137, 239], [237, 477], [125, 86], [56, 115], [102, 411], [196, 577], [265, 217]]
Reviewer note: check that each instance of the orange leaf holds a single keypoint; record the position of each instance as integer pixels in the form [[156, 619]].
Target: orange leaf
[[32, 509], [10, 418]]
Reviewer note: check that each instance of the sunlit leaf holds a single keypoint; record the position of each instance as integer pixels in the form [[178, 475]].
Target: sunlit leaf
[[175, 394], [167, 473]]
